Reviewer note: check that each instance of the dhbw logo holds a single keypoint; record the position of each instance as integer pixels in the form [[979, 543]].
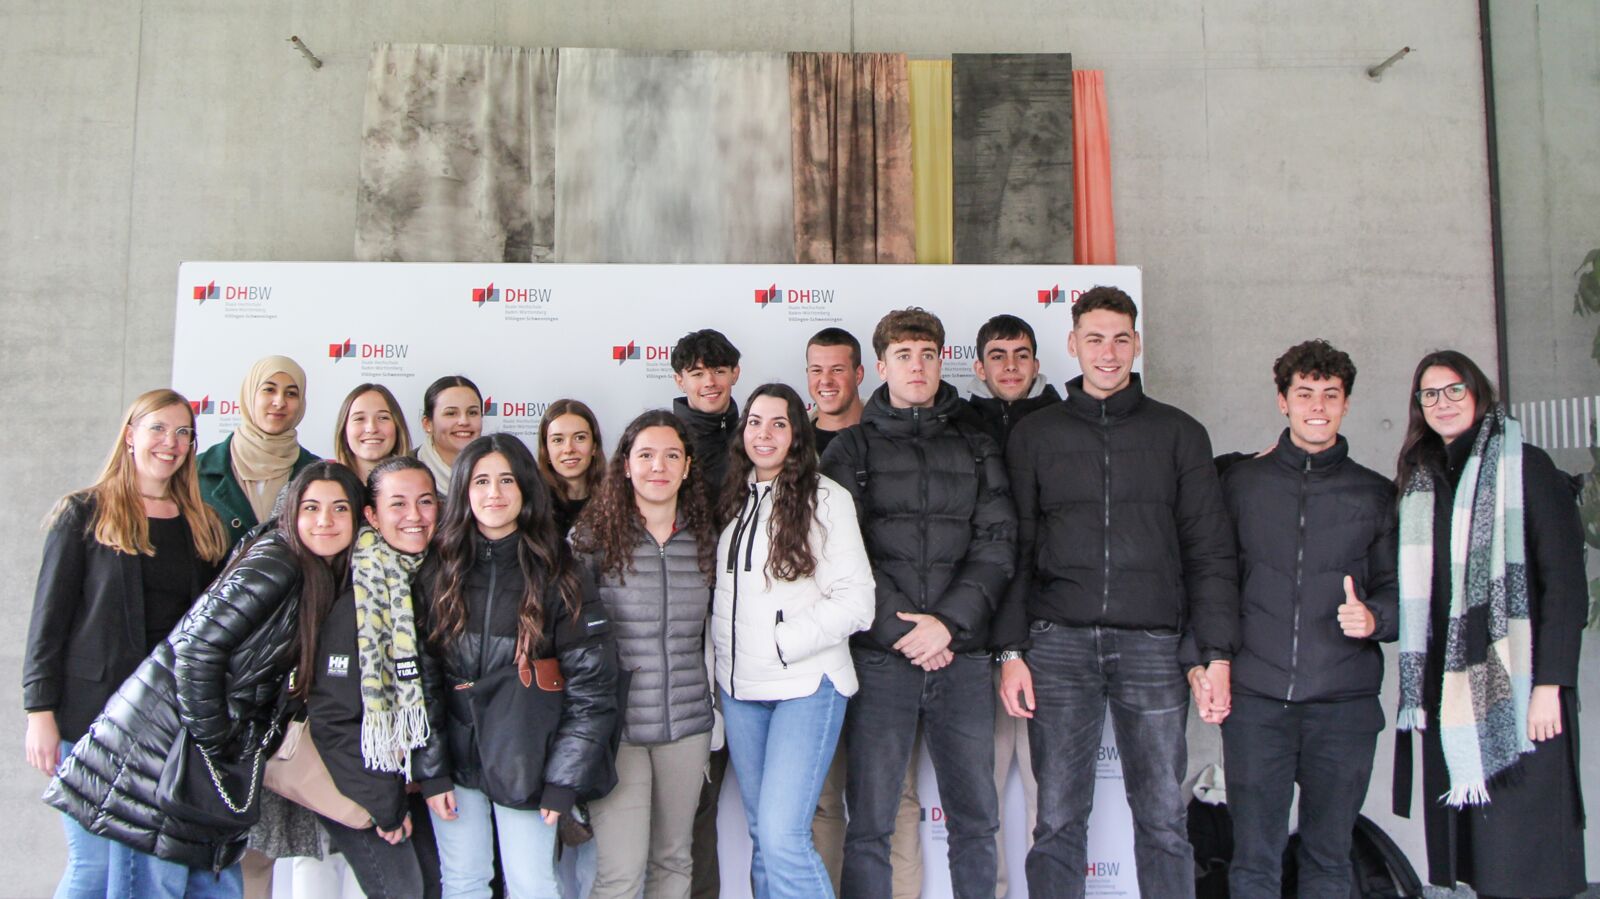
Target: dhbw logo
[[346, 350], [481, 295], [490, 407], [624, 353], [203, 405], [203, 292], [769, 295]]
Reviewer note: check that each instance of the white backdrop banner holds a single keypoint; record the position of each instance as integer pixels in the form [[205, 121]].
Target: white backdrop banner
[[531, 334]]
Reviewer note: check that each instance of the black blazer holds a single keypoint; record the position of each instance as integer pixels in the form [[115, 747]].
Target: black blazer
[[87, 633]]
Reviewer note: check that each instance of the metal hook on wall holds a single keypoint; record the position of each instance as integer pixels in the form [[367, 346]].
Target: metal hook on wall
[[1376, 72], [305, 51]]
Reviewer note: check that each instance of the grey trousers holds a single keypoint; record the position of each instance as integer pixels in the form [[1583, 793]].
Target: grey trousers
[[643, 829]]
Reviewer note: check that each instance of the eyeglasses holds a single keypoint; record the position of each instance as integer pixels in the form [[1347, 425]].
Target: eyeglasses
[[159, 432], [1429, 396]]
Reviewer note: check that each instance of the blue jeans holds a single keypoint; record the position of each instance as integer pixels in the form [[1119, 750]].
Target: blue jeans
[[781, 751], [956, 707], [87, 856], [1076, 670], [140, 875], [466, 849]]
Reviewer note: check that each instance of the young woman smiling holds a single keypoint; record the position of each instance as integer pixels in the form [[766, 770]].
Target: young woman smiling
[[452, 417], [501, 587], [122, 562], [569, 447], [650, 539], [363, 694], [218, 676], [241, 476], [370, 429], [793, 583], [1492, 609]]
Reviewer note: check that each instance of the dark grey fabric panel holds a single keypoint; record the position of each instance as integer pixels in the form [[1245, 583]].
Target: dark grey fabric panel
[[1012, 157]]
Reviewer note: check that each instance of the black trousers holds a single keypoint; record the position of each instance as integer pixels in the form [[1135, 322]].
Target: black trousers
[[1270, 746]]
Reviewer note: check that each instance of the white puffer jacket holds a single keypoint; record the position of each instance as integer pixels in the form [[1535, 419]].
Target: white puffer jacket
[[776, 639]]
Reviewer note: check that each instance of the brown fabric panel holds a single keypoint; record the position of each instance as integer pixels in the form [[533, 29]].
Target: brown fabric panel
[[852, 157]]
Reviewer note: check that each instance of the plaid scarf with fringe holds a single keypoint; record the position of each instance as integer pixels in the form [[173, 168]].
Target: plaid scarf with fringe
[[1488, 664]]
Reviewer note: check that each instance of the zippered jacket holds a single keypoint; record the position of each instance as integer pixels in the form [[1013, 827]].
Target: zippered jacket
[[1303, 522], [578, 758], [775, 639], [1120, 522], [658, 613], [935, 513]]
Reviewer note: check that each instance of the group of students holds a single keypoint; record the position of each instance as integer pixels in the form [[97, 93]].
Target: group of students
[[803, 594]]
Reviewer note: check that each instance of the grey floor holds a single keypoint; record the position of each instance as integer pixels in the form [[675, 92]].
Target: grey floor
[[1465, 893]]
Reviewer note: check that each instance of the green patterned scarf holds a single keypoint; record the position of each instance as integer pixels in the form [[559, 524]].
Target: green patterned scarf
[[394, 720], [1488, 651]]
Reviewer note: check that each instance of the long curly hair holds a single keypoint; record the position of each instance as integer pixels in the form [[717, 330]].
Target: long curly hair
[[542, 556], [794, 491], [611, 526]]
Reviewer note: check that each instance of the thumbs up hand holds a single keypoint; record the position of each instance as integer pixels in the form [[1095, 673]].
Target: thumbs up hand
[[1355, 619]]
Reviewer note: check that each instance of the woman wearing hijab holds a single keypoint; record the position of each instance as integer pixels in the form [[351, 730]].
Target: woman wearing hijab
[[241, 476]]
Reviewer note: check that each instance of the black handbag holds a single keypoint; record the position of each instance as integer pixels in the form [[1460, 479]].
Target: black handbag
[[202, 788], [515, 714]]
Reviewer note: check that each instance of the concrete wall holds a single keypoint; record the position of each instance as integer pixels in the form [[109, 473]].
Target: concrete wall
[[1270, 190]]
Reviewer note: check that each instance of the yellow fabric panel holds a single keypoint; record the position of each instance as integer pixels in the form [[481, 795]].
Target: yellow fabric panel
[[931, 166]]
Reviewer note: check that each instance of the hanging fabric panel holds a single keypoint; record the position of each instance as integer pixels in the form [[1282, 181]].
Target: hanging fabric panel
[[1012, 157], [930, 159], [853, 193], [673, 157], [1094, 229], [457, 155]]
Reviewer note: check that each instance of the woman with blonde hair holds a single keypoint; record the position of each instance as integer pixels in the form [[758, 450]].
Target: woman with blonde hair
[[123, 560], [241, 476], [370, 428]]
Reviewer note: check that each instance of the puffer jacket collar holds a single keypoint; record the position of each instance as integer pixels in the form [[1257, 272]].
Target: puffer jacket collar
[[948, 407], [704, 424], [1291, 456], [499, 552], [1121, 404]]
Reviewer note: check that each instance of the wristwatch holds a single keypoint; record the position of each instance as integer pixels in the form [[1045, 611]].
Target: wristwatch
[[1009, 655]]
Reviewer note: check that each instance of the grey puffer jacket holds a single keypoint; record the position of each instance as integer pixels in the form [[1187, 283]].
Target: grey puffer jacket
[[658, 610]]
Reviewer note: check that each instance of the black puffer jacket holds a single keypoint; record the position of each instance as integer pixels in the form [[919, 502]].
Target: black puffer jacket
[[935, 515], [1120, 522], [1303, 522], [711, 435], [579, 751], [659, 609], [219, 675]]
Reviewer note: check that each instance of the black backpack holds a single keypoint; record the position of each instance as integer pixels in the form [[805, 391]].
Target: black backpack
[[1379, 870]]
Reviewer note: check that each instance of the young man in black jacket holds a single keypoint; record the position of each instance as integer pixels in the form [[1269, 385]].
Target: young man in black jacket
[[1006, 386], [941, 533], [1318, 556], [1124, 544], [705, 366]]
